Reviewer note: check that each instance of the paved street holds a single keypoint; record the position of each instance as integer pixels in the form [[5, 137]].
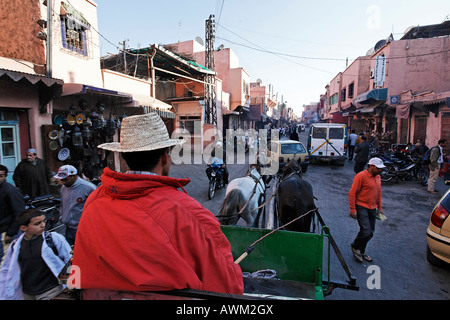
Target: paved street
[[398, 246]]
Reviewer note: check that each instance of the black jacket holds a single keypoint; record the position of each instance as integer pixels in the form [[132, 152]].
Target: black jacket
[[362, 152], [11, 205]]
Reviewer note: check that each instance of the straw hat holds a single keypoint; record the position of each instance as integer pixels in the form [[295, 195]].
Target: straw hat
[[142, 133]]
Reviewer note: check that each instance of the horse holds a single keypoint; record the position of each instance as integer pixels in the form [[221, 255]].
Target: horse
[[294, 198], [242, 198]]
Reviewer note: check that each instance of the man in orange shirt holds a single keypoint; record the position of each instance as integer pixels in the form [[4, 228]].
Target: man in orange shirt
[[364, 199]]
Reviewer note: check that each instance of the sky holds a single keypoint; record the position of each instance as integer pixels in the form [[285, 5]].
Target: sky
[[297, 47]]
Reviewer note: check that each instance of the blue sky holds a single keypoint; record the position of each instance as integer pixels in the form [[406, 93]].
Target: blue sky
[[296, 46]]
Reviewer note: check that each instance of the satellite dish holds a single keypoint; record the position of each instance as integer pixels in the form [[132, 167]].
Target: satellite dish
[[379, 45], [199, 40], [259, 81], [370, 52], [409, 29]]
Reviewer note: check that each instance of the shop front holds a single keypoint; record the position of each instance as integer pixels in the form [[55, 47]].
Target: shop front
[[24, 107]]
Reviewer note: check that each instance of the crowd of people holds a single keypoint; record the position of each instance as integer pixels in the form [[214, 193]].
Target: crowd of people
[[148, 235]]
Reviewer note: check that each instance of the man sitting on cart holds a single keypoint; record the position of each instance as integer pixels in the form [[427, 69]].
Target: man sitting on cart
[[139, 233]]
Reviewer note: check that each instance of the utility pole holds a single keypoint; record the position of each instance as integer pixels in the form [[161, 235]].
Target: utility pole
[[124, 44], [210, 79], [49, 38]]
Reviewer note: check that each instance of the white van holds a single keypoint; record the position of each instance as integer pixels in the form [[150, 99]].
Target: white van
[[328, 142]]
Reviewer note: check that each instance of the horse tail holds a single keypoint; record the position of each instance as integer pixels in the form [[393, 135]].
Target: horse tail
[[231, 206]]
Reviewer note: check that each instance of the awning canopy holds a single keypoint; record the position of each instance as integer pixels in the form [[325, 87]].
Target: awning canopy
[[168, 65], [161, 113], [78, 88], [372, 95], [371, 107], [31, 78], [402, 111], [242, 108], [350, 108], [226, 112], [48, 88]]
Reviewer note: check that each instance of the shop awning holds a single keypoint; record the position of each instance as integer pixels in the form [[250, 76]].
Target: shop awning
[[161, 113], [148, 101], [350, 108], [226, 112], [48, 88], [370, 108], [402, 111], [372, 95], [242, 108], [31, 78], [78, 88]]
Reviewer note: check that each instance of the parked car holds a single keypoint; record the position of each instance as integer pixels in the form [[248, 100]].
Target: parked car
[[438, 232], [284, 151]]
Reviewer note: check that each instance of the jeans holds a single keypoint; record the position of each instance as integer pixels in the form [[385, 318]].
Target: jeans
[[366, 220]]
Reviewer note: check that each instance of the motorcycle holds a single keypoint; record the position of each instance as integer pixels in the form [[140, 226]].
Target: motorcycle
[[404, 168], [215, 176], [49, 205]]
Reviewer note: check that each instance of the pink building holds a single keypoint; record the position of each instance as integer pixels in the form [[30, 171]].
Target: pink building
[[234, 93], [400, 90], [412, 77]]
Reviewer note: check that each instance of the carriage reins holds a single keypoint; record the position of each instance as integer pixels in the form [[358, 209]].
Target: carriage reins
[[231, 216]]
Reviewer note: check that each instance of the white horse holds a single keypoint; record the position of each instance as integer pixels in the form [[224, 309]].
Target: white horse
[[242, 199]]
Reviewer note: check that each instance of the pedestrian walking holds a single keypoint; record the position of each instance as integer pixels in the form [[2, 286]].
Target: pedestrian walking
[[33, 261], [32, 175], [351, 144], [362, 154], [139, 233], [436, 160], [364, 199], [74, 193], [11, 205], [294, 135]]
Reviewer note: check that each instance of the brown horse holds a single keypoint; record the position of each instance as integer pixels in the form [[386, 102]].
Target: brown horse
[[295, 198]]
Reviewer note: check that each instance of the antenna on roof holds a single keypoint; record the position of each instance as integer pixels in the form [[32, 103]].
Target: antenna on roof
[[199, 40]]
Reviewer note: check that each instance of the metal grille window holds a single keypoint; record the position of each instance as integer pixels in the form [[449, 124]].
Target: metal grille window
[[351, 88], [74, 35]]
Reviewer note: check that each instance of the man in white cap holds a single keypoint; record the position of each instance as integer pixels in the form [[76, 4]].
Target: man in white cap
[[74, 193], [139, 233], [32, 175], [364, 199]]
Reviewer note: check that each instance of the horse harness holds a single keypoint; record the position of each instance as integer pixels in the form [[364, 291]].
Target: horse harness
[[257, 181]]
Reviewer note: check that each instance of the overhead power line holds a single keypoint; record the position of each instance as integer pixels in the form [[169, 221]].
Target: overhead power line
[[259, 48]]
